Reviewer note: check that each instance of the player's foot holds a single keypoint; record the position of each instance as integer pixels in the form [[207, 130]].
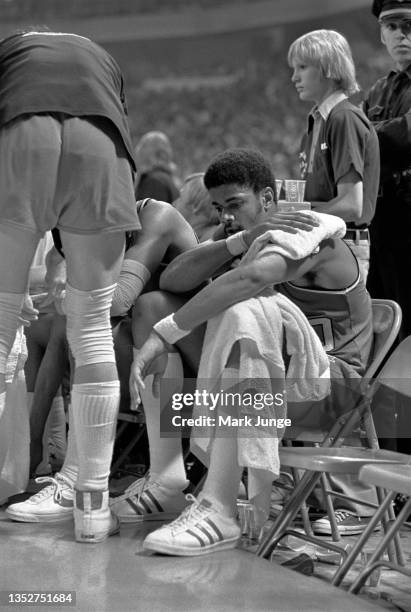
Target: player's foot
[[148, 500], [93, 520], [52, 504], [199, 530]]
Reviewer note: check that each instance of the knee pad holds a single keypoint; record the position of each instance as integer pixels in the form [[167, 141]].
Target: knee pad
[[10, 308], [88, 325]]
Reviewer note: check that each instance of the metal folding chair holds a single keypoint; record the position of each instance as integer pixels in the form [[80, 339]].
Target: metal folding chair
[[330, 458], [396, 479], [386, 324]]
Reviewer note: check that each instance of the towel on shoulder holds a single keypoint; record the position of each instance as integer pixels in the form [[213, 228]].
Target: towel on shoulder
[[298, 245]]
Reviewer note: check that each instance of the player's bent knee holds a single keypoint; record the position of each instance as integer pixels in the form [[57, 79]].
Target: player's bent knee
[[88, 325]]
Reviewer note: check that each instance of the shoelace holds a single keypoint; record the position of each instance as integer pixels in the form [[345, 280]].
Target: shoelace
[[194, 512], [57, 483], [340, 515]]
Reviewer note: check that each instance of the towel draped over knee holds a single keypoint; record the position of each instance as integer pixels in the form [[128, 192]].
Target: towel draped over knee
[[257, 355]]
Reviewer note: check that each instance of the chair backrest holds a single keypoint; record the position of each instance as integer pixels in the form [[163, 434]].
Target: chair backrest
[[396, 372], [386, 324], [387, 317]]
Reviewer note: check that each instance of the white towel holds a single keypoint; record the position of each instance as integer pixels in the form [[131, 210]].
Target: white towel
[[301, 244], [258, 324]]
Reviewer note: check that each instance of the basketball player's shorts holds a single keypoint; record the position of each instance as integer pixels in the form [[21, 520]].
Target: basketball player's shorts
[[68, 172]]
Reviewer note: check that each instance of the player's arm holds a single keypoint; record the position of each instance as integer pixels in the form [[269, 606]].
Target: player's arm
[[161, 230], [348, 203], [242, 283], [234, 286], [208, 259]]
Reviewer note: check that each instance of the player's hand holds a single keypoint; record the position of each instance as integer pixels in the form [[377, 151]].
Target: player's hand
[[28, 313], [55, 281], [290, 222], [151, 358]]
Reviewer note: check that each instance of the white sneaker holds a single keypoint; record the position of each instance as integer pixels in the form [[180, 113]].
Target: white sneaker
[[51, 504], [148, 500], [199, 530], [93, 520]]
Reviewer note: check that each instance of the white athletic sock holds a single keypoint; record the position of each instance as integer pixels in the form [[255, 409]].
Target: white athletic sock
[[166, 454], [95, 408], [70, 466], [259, 492], [224, 472], [223, 477]]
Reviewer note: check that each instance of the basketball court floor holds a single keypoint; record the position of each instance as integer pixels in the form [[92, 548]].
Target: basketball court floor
[[118, 575]]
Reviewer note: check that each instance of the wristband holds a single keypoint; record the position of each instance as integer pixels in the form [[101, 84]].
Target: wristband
[[138, 269], [169, 331], [236, 244]]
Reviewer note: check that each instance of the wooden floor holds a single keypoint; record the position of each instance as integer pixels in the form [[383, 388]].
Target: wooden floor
[[392, 591], [118, 575]]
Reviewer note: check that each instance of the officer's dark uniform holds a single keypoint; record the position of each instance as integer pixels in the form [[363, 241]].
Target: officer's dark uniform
[[388, 106]]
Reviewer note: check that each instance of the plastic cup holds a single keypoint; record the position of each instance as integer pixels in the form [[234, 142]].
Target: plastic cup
[[247, 517], [284, 206], [294, 190]]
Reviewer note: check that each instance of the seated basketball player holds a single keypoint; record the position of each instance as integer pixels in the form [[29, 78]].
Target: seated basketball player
[[324, 283]]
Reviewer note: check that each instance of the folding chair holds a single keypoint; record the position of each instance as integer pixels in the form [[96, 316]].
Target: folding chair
[[396, 375], [386, 324], [396, 479], [330, 458]]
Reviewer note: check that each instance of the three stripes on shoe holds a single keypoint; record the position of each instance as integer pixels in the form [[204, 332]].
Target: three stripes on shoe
[[146, 503]]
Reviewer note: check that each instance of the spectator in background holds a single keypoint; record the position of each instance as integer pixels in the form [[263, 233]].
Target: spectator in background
[[388, 107], [339, 156], [156, 168], [194, 203]]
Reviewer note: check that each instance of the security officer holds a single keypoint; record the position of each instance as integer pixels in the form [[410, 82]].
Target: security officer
[[388, 106]]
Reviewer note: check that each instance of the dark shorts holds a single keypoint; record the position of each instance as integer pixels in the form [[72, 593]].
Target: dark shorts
[[72, 173], [345, 394]]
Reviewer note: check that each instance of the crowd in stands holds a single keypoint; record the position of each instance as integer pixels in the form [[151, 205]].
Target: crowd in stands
[[258, 107]]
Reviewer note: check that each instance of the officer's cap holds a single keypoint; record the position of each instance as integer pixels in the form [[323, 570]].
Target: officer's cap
[[394, 8]]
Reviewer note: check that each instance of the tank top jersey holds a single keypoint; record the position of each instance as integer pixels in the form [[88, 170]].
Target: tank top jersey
[[44, 72], [342, 319], [131, 236]]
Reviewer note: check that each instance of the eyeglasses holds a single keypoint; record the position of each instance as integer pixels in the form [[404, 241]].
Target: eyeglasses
[[391, 26]]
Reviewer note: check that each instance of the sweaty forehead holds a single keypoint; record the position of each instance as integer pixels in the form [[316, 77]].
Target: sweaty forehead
[[224, 193]]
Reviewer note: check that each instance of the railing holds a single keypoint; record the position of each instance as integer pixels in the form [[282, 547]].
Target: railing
[[48, 9]]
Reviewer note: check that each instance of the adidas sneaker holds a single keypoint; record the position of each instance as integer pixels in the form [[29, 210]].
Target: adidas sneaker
[[199, 530]]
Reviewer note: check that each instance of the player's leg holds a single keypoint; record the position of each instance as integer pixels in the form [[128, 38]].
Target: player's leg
[[160, 496], [93, 266], [17, 247]]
